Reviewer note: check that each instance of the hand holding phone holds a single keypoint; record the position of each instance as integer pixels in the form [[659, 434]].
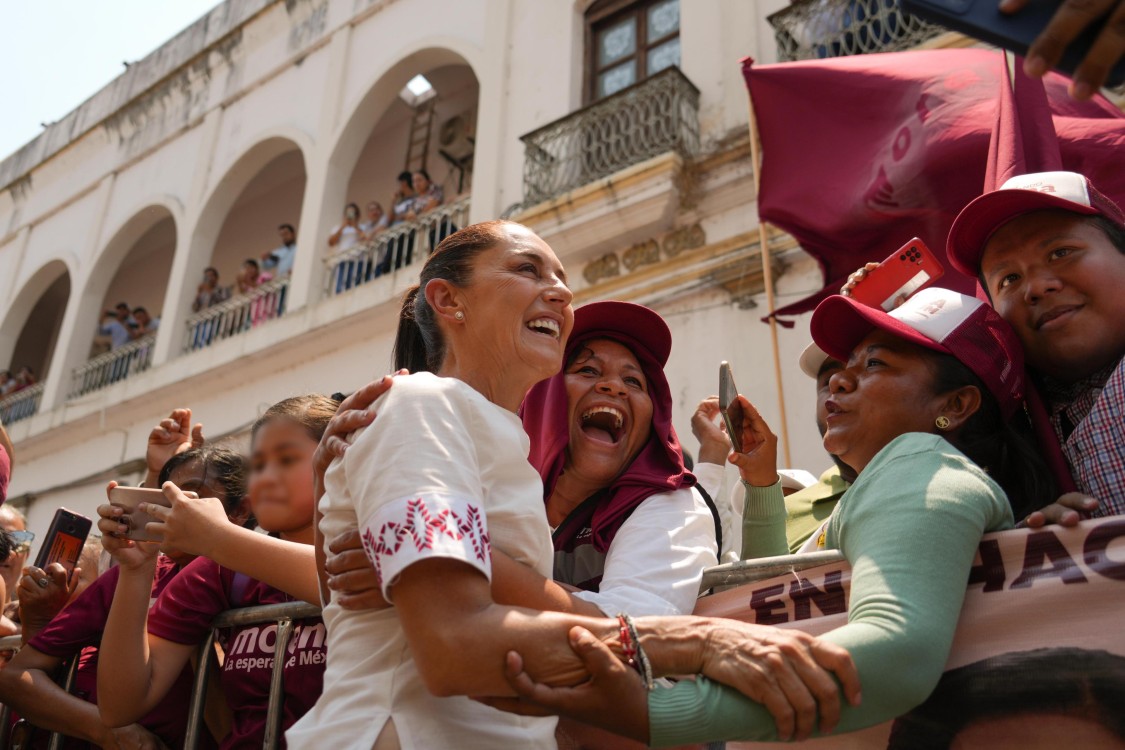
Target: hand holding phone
[[128, 499], [64, 541], [728, 396], [902, 273]]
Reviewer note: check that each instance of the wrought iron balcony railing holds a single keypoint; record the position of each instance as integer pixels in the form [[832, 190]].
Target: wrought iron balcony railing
[[814, 29], [106, 369], [657, 115], [21, 404], [393, 249], [236, 315]]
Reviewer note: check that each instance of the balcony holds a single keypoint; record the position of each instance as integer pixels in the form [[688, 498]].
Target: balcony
[[403, 246], [653, 117], [106, 369], [816, 29], [21, 404], [236, 315]]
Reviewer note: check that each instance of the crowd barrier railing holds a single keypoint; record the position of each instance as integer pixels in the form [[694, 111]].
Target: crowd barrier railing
[[21, 404], [236, 315], [106, 369], [393, 249], [282, 614]]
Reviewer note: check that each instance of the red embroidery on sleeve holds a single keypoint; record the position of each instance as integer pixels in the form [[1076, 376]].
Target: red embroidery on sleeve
[[421, 527]]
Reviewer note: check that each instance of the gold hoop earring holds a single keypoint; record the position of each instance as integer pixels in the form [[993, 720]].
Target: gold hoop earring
[[942, 422], [459, 315]]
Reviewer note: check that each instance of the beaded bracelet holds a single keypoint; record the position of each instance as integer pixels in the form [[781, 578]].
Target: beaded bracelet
[[635, 656]]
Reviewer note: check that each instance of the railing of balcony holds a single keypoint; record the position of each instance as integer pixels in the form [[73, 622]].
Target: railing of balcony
[[21, 404], [393, 249], [814, 29], [106, 369], [236, 315], [657, 115]]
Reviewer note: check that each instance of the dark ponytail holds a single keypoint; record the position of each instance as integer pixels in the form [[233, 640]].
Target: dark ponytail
[[410, 345], [418, 344], [1004, 449]]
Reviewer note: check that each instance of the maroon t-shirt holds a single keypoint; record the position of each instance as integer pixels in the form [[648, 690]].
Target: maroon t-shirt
[[183, 614], [5, 473], [78, 628]]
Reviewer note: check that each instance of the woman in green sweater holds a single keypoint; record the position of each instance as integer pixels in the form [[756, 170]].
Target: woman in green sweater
[[922, 411]]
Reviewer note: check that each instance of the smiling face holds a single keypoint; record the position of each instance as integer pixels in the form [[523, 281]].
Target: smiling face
[[1058, 280], [609, 411], [281, 480], [886, 390], [517, 311]]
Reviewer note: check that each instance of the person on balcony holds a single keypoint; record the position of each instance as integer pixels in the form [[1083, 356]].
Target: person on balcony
[[376, 262], [7, 382], [402, 204], [279, 261], [427, 197], [146, 324], [343, 238], [209, 292], [116, 326]]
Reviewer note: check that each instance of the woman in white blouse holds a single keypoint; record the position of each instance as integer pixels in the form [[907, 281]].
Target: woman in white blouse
[[437, 484]]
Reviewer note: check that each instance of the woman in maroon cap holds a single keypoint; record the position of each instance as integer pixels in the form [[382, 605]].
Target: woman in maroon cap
[[922, 412]]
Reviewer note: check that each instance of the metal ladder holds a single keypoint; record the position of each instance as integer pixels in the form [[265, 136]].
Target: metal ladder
[[421, 127]]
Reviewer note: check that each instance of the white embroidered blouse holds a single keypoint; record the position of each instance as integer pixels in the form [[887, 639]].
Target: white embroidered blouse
[[442, 472]]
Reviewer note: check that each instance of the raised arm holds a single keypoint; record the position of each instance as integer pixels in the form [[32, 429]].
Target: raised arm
[[142, 667]]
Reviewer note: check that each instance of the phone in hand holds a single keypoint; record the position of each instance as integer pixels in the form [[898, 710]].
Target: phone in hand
[[128, 498], [728, 394], [908, 269], [982, 19], [64, 541]]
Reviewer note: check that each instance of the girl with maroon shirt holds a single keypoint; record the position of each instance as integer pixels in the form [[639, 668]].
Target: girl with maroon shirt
[[26, 684], [149, 648]]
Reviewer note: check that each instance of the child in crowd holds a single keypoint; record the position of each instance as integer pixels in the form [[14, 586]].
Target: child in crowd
[[281, 497], [26, 684], [1049, 250]]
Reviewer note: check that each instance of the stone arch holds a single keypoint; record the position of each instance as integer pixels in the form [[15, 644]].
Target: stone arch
[[32, 321]]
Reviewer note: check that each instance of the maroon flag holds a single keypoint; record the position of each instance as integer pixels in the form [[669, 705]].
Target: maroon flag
[[859, 154]]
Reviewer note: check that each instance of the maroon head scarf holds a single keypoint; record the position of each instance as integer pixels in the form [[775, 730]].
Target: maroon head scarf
[[659, 466]]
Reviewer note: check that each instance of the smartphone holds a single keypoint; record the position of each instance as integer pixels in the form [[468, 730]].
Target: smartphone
[[728, 392], [982, 19], [64, 540], [128, 498], [908, 269]]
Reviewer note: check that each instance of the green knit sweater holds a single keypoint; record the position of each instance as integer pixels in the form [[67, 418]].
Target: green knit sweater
[[909, 527]]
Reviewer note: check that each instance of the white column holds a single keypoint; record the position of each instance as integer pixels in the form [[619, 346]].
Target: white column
[[188, 262], [77, 330], [308, 270]]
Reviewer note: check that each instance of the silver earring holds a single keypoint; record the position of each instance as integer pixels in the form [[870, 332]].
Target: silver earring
[[459, 315]]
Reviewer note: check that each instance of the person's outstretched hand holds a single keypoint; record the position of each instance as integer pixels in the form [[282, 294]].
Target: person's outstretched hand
[[1066, 511], [714, 445], [174, 435], [757, 462], [614, 698], [1070, 20]]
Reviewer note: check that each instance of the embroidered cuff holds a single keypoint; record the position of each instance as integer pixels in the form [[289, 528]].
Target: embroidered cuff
[[404, 531]]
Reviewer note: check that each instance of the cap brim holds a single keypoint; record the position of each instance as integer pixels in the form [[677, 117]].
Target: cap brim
[[840, 323], [979, 220], [635, 322], [812, 359]]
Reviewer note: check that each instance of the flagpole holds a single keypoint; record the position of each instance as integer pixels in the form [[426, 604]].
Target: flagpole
[[767, 279]]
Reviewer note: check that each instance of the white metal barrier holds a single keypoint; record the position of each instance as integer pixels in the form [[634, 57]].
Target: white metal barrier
[[236, 315]]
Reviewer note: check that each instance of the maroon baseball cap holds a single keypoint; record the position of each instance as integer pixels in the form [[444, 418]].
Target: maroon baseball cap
[[637, 324], [1023, 194], [937, 319]]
